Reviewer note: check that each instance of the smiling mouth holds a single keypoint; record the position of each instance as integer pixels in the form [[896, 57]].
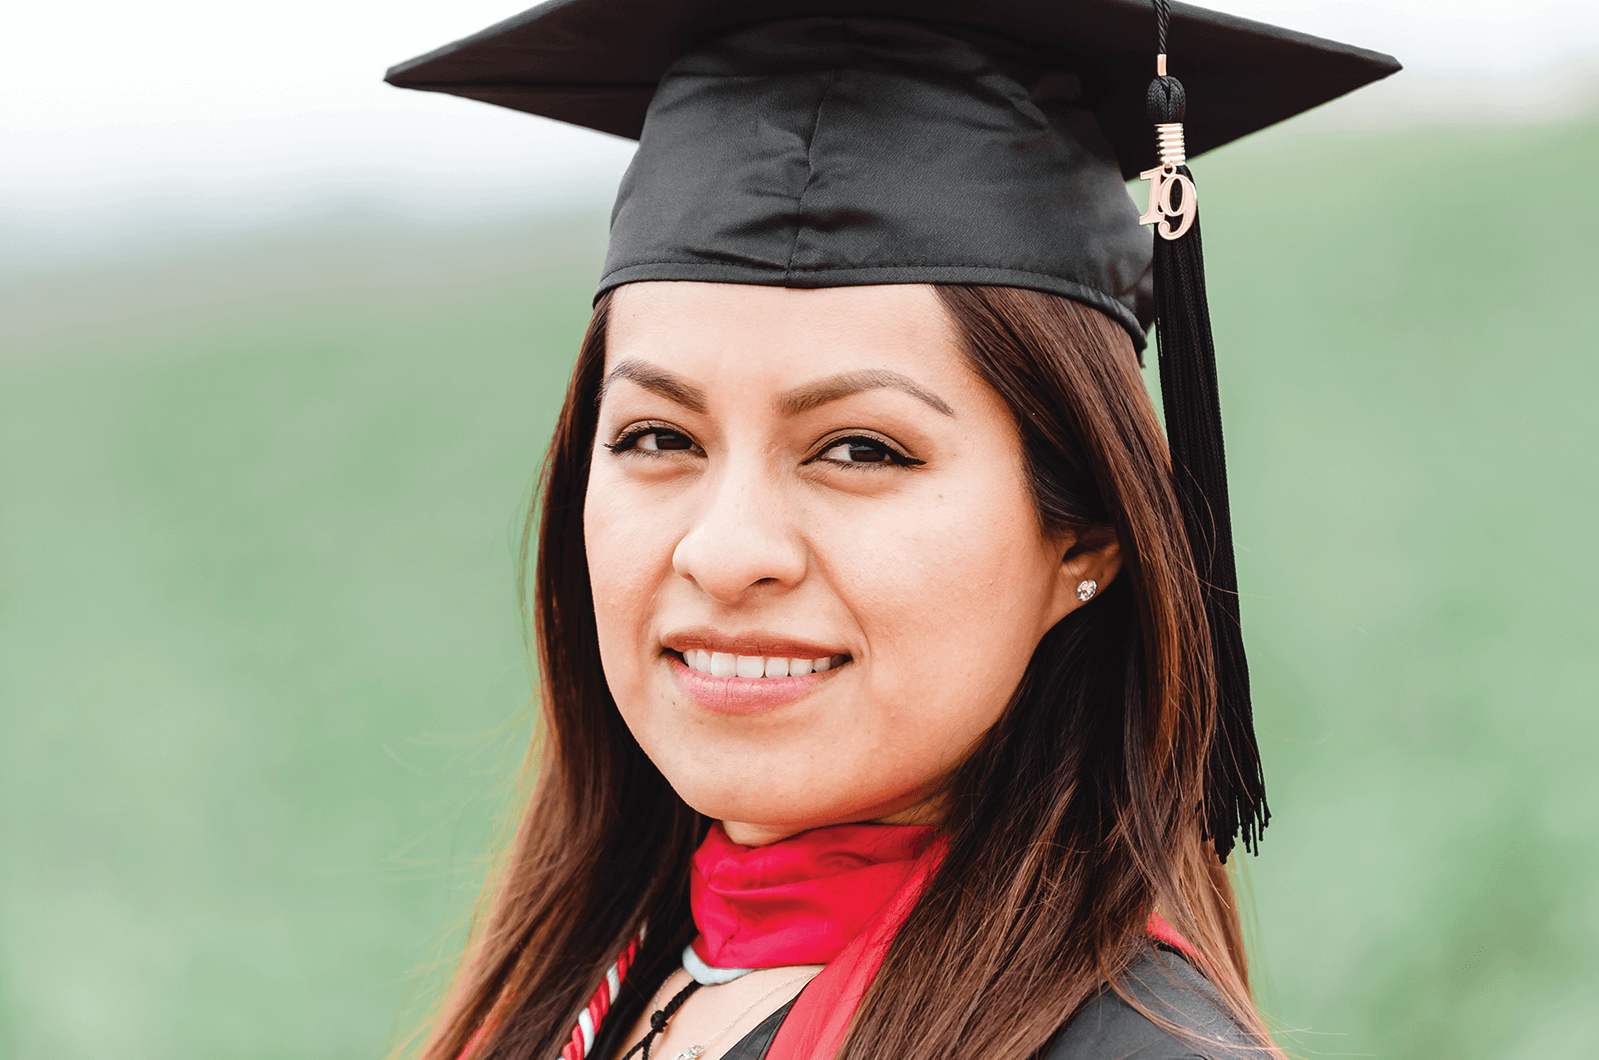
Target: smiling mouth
[[722, 664]]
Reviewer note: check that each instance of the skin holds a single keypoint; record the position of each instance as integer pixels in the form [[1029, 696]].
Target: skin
[[752, 518]]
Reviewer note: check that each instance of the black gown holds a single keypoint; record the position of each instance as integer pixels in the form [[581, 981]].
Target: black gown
[[1105, 1028]]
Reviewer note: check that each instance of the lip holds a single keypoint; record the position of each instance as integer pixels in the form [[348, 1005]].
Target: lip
[[756, 642], [744, 695]]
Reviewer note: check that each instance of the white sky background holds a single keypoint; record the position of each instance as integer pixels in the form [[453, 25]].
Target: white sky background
[[118, 118]]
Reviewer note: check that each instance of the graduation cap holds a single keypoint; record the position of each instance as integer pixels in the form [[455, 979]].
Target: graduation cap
[[826, 143]]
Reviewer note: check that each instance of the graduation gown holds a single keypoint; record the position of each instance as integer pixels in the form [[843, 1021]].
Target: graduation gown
[[1105, 1028]]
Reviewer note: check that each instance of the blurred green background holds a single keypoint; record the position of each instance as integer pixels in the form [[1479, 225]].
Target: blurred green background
[[262, 689]]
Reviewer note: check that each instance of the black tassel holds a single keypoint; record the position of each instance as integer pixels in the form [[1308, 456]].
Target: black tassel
[[1235, 790]]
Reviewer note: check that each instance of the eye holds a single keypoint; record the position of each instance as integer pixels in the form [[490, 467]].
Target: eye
[[652, 438], [656, 441], [864, 449]]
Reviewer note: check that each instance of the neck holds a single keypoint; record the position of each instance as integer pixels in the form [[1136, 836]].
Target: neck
[[922, 811], [757, 835]]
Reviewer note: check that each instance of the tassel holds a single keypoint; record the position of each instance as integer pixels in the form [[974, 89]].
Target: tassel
[[1235, 789]]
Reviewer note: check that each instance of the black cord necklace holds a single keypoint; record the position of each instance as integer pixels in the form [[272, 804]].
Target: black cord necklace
[[660, 1018]]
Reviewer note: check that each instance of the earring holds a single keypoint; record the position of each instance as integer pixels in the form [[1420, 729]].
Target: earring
[[1086, 589]]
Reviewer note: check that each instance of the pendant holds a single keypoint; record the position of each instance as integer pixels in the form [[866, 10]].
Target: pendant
[[1163, 180], [691, 1053]]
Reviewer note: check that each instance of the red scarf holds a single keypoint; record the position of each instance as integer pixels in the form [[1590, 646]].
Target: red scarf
[[833, 896], [801, 900]]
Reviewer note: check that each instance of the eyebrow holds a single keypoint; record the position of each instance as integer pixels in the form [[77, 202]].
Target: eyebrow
[[659, 381], [845, 384], [793, 403]]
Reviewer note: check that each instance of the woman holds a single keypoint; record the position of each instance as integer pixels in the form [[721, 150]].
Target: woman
[[893, 700]]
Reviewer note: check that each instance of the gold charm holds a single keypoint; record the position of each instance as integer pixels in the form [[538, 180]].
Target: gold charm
[[1162, 179]]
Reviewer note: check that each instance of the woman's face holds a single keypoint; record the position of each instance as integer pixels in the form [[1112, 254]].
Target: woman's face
[[818, 572]]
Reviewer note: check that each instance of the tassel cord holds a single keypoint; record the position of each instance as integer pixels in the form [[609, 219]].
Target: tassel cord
[[1235, 795]]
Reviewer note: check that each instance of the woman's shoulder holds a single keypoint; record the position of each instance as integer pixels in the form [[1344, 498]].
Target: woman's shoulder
[[1108, 1028]]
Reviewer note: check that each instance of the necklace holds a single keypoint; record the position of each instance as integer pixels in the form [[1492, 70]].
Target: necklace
[[693, 1052], [662, 1016]]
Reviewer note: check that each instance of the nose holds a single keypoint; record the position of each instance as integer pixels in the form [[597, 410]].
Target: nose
[[742, 539]]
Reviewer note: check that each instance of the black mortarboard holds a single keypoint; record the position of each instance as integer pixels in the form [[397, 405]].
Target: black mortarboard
[[808, 143]]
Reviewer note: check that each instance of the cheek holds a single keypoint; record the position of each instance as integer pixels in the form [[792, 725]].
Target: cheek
[[952, 599], [628, 553]]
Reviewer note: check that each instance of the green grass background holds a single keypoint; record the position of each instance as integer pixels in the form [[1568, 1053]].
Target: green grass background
[[261, 682]]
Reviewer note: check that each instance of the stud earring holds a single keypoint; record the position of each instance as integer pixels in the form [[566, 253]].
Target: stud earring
[[1086, 589]]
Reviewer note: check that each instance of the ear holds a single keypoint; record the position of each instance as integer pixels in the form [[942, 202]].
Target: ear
[[1094, 555]]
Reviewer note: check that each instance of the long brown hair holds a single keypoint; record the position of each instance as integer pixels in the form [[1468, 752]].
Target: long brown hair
[[1076, 817]]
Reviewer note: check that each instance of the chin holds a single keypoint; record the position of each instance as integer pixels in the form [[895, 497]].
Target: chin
[[796, 801], [780, 811]]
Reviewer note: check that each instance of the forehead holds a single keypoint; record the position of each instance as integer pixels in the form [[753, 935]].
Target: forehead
[[776, 336]]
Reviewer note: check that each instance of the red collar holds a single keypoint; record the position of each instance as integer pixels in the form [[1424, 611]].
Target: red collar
[[800, 900]]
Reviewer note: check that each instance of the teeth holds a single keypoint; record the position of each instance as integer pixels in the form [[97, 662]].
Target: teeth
[[724, 664]]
